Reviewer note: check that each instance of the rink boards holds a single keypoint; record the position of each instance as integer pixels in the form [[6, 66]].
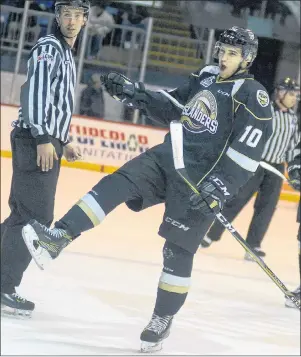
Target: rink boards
[[105, 145]]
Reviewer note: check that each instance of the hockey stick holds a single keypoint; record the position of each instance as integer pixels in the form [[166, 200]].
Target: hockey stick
[[176, 131], [269, 167]]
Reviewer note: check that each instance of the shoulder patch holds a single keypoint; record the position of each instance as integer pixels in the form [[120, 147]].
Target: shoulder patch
[[44, 56], [206, 82], [262, 98]]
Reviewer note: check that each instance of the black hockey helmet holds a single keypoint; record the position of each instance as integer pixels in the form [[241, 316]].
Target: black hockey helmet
[[79, 4], [288, 84], [239, 37]]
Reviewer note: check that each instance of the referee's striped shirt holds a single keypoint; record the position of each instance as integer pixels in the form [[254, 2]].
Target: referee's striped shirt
[[47, 96], [285, 137]]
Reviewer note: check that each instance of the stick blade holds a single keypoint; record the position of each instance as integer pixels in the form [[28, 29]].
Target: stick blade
[[176, 132], [269, 167]]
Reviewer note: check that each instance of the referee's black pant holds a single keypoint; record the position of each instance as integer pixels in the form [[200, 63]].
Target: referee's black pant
[[32, 196], [268, 187]]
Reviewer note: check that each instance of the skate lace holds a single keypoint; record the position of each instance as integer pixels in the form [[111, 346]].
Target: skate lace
[[18, 297], [158, 324], [56, 233]]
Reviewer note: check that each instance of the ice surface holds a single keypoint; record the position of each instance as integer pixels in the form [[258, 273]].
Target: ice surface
[[98, 296]]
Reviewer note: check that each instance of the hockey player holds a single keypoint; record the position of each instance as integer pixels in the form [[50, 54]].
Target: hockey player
[[294, 172], [226, 117], [278, 150]]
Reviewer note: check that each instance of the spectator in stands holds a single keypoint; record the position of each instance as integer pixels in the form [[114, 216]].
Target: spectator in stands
[[136, 17], [13, 28], [102, 23], [239, 5], [92, 99], [274, 8]]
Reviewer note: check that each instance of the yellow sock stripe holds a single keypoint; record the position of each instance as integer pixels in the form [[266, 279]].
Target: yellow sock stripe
[[174, 288], [92, 216]]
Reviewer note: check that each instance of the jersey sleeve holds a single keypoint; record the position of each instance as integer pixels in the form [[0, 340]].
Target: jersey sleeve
[[167, 105], [296, 156], [293, 145], [42, 68], [251, 130]]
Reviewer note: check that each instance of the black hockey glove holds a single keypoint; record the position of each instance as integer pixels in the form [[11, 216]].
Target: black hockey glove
[[294, 176], [212, 196], [124, 90]]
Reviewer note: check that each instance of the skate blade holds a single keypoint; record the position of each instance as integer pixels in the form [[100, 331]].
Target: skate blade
[[40, 255], [150, 347], [7, 311], [290, 304]]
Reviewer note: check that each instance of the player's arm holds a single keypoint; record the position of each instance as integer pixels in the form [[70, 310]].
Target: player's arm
[[42, 68], [251, 130], [163, 106]]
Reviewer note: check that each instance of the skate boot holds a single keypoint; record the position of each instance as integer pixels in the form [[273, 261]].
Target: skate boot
[[205, 242], [258, 251], [155, 332], [14, 305], [44, 244], [289, 303]]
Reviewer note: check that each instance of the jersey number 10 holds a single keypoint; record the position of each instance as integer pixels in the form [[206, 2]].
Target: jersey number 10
[[252, 136]]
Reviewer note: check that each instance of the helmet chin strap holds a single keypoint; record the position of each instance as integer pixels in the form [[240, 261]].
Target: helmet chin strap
[[239, 68]]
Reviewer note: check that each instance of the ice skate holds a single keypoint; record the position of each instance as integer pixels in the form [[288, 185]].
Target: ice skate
[[205, 242], [44, 244], [289, 303], [15, 305], [154, 333], [258, 251]]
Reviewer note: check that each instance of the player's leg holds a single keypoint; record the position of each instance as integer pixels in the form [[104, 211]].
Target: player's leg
[[264, 207], [181, 227], [32, 195], [139, 183], [232, 208], [172, 291]]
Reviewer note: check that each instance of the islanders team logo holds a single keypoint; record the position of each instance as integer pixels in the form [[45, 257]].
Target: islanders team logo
[[200, 113]]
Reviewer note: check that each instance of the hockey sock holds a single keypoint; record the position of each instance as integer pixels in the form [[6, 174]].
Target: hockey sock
[[92, 208], [175, 279]]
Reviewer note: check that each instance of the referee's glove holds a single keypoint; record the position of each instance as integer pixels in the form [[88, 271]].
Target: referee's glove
[[212, 197], [294, 176], [124, 90]]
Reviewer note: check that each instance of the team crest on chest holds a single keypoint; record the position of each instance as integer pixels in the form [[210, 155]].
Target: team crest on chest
[[200, 113]]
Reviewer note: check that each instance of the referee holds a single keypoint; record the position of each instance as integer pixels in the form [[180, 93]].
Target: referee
[[278, 150], [38, 141]]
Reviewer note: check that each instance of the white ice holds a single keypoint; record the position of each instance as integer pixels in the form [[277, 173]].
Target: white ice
[[98, 296]]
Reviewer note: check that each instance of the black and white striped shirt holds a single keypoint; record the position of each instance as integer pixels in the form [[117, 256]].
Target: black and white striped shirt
[[47, 96], [280, 147]]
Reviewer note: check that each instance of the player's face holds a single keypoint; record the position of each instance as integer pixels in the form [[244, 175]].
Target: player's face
[[229, 59], [289, 99], [71, 20]]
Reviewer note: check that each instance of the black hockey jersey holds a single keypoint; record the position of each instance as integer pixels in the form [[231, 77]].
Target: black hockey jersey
[[226, 124]]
